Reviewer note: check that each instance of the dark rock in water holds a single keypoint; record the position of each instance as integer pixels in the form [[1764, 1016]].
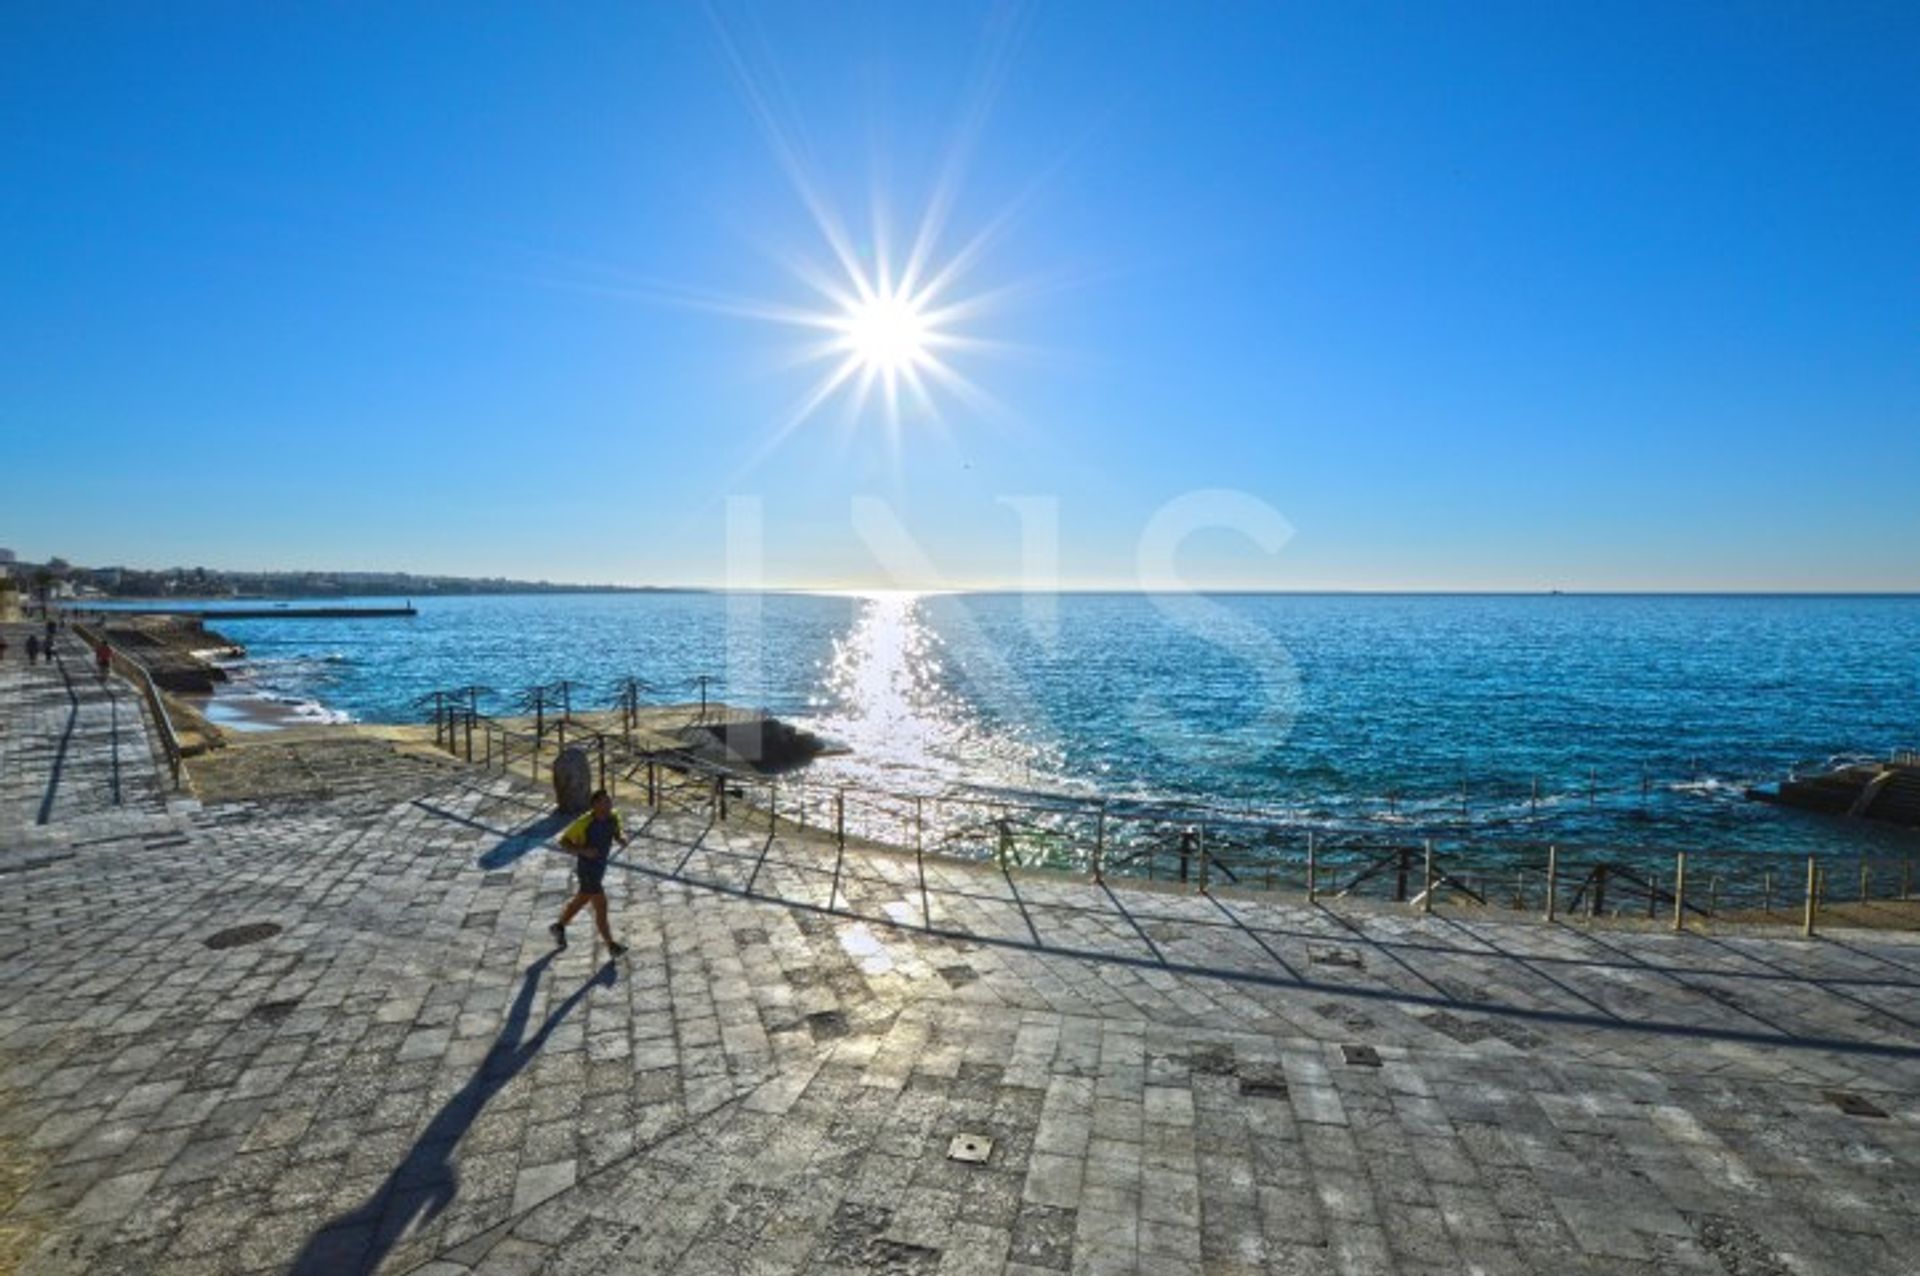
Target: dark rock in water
[[572, 780], [767, 745], [1887, 791]]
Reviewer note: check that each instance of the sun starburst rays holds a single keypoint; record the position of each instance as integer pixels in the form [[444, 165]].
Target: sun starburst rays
[[886, 328], [885, 334]]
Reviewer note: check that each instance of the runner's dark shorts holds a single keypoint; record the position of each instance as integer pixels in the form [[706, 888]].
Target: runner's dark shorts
[[591, 874]]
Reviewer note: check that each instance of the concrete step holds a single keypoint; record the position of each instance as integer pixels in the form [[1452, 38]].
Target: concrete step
[[1898, 801]]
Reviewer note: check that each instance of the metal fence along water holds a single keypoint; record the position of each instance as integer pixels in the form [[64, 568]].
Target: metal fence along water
[[1196, 846]]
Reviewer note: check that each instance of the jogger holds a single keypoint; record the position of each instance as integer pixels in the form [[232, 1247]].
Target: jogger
[[591, 839]]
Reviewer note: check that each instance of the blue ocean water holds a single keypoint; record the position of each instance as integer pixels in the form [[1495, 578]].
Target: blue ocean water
[[1598, 719]]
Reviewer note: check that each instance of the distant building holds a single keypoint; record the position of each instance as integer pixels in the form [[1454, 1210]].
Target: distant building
[[6, 558]]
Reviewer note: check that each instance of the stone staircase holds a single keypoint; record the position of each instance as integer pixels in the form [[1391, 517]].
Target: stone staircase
[[1898, 798]]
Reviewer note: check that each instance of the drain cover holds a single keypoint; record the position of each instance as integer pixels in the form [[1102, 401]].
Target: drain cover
[[1334, 957], [974, 1149], [240, 936], [1361, 1056], [1854, 1105], [1263, 1085]]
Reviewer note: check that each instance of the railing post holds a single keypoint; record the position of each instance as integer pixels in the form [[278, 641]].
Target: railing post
[[1200, 840], [1313, 868], [920, 862], [1099, 842], [1426, 896], [1553, 880], [653, 783], [840, 817], [1813, 882], [720, 796], [1680, 890], [1906, 877], [1766, 891], [1863, 879]]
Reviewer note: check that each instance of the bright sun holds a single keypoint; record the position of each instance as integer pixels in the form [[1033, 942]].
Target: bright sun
[[888, 335]]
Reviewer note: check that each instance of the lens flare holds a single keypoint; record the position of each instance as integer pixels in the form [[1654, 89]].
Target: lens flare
[[887, 334]]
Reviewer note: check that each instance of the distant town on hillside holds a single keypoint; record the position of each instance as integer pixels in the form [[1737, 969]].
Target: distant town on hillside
[[59, 580]]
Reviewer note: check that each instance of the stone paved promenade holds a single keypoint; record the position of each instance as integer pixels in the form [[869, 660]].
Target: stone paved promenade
[[392, 1071]]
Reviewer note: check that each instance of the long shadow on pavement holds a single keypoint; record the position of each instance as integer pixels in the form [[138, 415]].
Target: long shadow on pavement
[[426, 1180], [512, 844], [1769, 1034], [66, 739]]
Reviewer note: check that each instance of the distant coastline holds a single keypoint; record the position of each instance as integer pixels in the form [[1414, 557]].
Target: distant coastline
[[64, 583]]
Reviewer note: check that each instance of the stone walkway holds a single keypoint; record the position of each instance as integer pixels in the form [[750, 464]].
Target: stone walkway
[[323, 1031]]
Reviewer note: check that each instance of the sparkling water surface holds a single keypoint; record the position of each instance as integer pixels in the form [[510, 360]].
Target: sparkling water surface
[[1634, 719]]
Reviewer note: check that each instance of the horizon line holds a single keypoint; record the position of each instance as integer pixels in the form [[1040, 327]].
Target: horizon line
[[545, 589]]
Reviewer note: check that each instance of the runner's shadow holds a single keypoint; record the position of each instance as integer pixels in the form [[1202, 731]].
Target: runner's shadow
[[513, 843], [426, 1180]]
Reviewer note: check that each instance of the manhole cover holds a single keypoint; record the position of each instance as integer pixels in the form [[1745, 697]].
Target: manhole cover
[[272, 1012], [1855, 1105], [1361, 1056], [958, 976], [240, 936], [974, 1149], [828, 1025]]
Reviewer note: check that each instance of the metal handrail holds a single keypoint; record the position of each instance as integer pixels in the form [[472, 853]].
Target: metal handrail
[[1188, 844], [141, 677]]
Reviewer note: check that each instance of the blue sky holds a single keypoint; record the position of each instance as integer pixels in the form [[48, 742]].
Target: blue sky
[[1476, 296]]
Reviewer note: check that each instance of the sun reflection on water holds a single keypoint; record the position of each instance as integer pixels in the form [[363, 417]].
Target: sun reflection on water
[[889, 704], [901, 698]]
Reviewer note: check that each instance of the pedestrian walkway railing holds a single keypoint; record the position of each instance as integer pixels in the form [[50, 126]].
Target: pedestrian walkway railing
[[1192, 846], [142, 679]]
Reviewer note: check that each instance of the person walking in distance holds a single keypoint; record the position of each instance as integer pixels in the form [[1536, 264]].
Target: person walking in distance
[[590, 839]]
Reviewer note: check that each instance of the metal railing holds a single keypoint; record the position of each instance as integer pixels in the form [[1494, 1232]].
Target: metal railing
[[1191, 846], [137, 673]]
